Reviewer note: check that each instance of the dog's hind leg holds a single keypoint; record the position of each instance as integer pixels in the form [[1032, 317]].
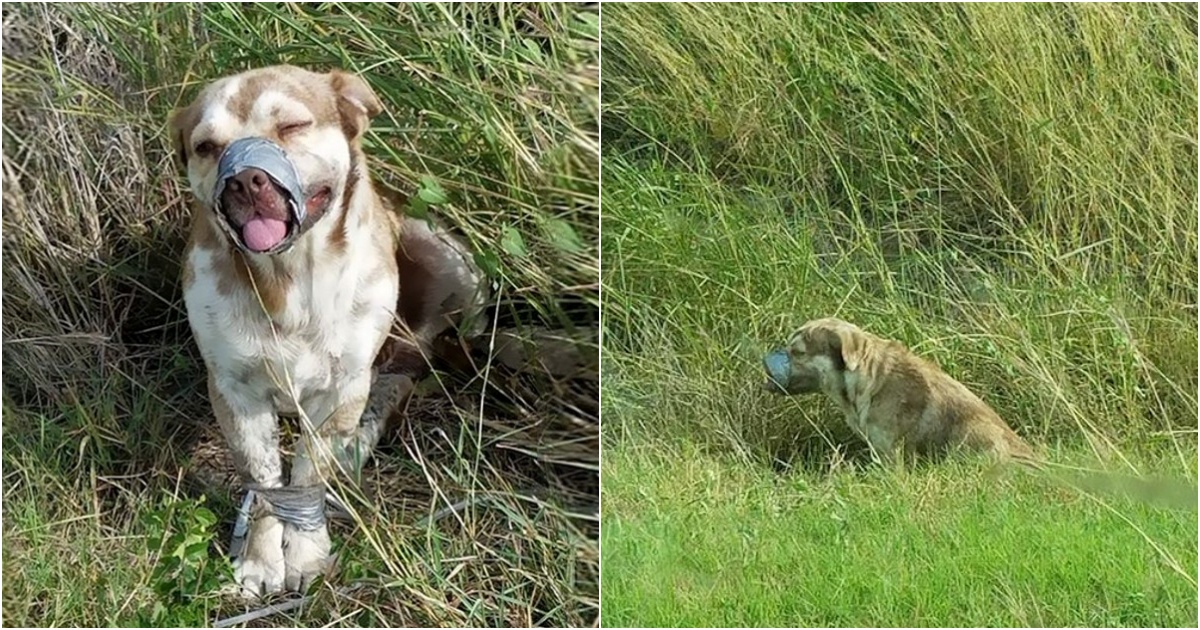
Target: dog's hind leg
[[388, 394], [441, 289]]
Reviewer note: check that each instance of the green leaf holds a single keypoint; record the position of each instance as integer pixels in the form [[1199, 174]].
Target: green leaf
[[205, 517], [532, 50], [513, 243], [563, 236], [197, 549], [417, 208], [587, 25], [488, 262], [431, 191]]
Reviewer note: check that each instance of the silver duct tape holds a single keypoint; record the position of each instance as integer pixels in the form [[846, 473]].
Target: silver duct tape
[[302, 506], [241, 526], [307, 519], [260, 153], [779, 366]]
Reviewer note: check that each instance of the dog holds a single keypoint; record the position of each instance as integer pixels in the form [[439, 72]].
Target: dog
[[899, 403], [308, 294]]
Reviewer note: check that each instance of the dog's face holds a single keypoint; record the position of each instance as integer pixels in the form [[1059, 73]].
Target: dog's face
[[818, 354], [315, 119]]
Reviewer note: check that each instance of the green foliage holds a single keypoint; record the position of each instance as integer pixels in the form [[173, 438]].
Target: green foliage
[[180, 533], [690, 541], [429, 193], [1011, 190]]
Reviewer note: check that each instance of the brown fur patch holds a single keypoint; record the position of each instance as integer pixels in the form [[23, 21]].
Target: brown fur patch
[[272, 286], [337, 237], [250, 88]]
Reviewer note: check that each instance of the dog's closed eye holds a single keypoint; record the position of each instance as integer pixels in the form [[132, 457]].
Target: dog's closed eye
[[287, 129]]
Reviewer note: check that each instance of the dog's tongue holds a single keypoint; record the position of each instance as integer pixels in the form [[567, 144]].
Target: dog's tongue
[[261, 233]]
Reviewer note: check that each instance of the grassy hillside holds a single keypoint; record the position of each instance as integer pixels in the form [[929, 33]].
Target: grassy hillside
[[105, 419], [1010, 190]]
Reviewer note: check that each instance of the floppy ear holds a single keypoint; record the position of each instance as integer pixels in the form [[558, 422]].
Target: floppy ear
[[840, 342], [178, 127], [357, 102], [851, 344]]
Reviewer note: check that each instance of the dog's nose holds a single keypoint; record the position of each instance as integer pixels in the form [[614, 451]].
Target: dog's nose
[[778, 365], [248, 184]]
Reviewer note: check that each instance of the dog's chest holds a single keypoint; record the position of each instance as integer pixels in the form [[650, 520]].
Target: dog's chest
[[325, 329]]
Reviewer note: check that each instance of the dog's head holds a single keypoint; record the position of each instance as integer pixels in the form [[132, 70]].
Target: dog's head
[[819, 352], [270, 152]]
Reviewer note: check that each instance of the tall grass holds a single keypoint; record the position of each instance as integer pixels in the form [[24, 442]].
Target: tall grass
[[103, 395], [1011, 190]]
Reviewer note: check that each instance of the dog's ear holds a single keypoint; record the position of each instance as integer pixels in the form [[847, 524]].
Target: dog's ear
[[841, 342], [851, 344], [179, 125], [357, 102]]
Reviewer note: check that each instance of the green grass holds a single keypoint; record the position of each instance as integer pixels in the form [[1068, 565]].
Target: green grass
[[690, 541], [107, 429], [1009, 190]]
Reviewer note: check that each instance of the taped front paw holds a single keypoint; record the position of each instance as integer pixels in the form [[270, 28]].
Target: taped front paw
[[260, 569], [306, 554]]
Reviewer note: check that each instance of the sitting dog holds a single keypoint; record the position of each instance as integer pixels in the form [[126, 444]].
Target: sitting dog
[[295, 272], [898, 402]]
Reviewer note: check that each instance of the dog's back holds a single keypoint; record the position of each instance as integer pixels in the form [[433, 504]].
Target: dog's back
[[951, 415]]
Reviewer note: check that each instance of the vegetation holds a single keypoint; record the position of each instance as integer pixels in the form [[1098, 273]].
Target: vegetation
[[1012, 192], [116, 508]]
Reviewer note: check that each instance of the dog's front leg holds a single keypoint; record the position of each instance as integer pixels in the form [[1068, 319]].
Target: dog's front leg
[[342, 442], [251, 429], [885, 446]]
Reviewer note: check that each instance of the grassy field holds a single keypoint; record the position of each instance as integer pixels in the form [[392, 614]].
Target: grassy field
[[1012, 192], [690, 541], [116, 499]]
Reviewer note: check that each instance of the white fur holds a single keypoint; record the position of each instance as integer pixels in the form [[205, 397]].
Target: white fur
[[314, 356]]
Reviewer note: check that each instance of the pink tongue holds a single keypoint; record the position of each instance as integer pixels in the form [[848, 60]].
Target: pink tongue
[[261, 234]]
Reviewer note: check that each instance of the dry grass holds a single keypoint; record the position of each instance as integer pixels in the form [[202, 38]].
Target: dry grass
[[103, 405]]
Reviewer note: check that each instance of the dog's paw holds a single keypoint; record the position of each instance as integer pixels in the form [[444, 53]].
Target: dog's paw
[[306, 554], [260, 570]]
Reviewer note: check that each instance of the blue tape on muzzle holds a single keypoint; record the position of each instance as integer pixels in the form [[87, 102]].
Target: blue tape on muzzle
[[779, 367], [270, 158]]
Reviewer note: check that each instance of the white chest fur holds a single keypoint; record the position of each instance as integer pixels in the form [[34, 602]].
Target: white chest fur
[[328, 325]]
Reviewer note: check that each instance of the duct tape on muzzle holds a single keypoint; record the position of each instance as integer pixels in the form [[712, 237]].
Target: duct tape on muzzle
[[779, 366], [268, 157]]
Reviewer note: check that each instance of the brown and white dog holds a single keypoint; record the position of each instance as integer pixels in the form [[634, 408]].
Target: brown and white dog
[[898, 402], [296, 328]]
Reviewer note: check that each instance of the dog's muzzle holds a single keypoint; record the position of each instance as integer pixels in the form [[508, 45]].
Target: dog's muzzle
[[270, 158], [779, 368]]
